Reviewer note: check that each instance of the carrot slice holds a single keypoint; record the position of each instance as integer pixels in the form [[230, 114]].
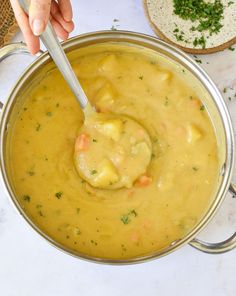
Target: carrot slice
[[143, 181], [82, 143]]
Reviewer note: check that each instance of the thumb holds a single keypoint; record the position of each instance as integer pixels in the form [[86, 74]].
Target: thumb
[[39, 15]]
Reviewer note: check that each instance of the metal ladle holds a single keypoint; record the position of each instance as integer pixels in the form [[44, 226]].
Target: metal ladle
[[58, 55], [127, 177]]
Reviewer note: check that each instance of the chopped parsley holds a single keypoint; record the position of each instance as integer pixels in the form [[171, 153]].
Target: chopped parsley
[[40, 213], [93, 172], [78, 210], [199, 41], [166, 101], [195, 169], [38, 127], [231, 48], [224, 90], [49, 114], [113, 28], [208, 14], [202, 108], [95, 140], [31, 173], [58, 194], [141, 77], [26, 198], [126, 218]]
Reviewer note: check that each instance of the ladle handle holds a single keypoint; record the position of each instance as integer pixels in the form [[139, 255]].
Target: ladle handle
[[58, 55]]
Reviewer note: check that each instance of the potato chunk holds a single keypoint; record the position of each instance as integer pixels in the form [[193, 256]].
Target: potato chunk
[[108, 64], [105, 97], [193, 134], [111, 128], [106, 174]]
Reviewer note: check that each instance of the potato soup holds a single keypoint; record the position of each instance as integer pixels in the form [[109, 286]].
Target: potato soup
[[161, 206]]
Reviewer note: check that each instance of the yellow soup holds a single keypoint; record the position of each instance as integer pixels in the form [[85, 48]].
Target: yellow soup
[[164, 204]]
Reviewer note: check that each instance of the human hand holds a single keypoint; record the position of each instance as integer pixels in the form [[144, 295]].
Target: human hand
[[40, 11]]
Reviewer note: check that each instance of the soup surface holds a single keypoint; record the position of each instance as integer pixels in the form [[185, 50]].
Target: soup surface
[[164, 204]]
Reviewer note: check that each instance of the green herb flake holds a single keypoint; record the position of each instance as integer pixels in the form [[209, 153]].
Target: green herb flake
[[208, 14], [58, 194], [231, 48], [49, 114], [198, 61], [200, 42], [26, 198], [141, 77], [38, 127], [202, 108], [134, 213], [125, 219], [179, 37], [93, 172], [224, 90], [113, 28], [152, 62], [195, 168], [95, 140], [78, 210], [166, 101], [31, 173], [93, 242], [40, 213]]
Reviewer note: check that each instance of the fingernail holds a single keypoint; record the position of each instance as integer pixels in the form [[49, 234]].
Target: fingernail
[[38, 27]]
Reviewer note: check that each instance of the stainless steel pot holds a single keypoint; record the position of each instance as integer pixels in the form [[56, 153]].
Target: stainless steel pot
[[214, 104]]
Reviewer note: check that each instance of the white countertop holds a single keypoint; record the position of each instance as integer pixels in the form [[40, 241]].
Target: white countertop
[[29, 266]]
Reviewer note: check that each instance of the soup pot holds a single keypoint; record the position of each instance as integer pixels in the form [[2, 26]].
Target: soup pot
[[215, 107]]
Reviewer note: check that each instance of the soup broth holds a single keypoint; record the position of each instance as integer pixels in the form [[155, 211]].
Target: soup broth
[[158, 209]]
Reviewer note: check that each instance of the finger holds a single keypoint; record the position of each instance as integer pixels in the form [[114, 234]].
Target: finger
[[38, 15], [56, 13], [23, 22], [60, 31], [66, 9]]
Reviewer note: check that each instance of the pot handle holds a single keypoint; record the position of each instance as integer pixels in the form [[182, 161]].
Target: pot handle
[[216, 248], [15, 48]]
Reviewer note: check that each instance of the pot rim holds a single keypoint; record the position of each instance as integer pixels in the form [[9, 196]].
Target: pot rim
[[151, 42]]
